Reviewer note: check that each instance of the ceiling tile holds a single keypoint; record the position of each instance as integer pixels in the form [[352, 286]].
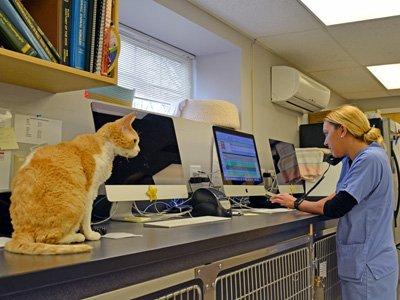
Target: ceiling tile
[[311, 50], [261, 17], [349, 80], [371, 42]]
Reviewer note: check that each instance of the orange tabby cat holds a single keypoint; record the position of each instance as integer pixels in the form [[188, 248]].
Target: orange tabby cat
[[53, 192]]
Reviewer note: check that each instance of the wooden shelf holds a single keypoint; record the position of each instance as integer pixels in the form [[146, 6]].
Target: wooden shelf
[[24, 70]]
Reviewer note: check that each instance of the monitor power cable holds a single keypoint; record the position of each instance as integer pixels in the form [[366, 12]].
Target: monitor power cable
[[304, 196]]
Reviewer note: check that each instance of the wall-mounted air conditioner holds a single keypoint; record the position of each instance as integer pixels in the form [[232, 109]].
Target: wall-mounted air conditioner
[[295, 90]]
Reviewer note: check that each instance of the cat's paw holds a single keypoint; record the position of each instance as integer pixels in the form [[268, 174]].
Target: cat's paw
[[72, 238], [79, 238], [92, 236]]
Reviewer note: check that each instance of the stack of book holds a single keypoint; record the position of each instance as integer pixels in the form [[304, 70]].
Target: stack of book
[[77, 33]]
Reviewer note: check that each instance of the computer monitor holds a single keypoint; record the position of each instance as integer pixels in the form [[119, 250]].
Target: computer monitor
[[286, 167], [156, 169], [238, 162]]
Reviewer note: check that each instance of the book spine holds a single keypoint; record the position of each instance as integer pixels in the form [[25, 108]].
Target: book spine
[[53, 49], [17, 21], [66, 18], [73, 32], [106, 40], [13, 38], [93, 36], [82, 34], [99, 14], [101, 37], [4, 41], [79, 20], [91, 27], [33, 26]]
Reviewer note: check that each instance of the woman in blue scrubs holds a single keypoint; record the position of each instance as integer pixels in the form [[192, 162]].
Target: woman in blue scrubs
[[367, 256]]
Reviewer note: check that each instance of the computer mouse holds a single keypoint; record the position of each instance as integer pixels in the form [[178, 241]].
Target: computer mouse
[[210, 202]]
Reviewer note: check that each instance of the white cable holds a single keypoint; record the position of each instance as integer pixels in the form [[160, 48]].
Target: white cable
[[241, 205], [111, 215]]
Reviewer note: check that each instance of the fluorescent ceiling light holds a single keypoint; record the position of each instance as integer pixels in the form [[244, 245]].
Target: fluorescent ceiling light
[[388, 75], [332, 12]]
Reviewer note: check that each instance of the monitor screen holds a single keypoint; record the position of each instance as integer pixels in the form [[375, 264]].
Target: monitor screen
[[286, 167], [158, 163], [238, 161]]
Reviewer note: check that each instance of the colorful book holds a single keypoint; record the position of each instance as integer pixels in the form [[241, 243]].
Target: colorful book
[[79, 23], [35, 29], [48, 15], [12, 38], [9, 10], [106, 39]]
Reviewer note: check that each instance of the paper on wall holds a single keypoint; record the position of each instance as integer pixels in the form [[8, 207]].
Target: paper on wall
[[5, 118], [5, 170], [37, 130], [5, 156], [8, 140]]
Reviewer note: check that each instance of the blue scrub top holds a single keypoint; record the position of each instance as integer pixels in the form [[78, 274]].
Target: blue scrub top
[[364, 235]]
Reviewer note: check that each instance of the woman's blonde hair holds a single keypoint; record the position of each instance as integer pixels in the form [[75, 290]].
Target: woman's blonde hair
[[356, 123]]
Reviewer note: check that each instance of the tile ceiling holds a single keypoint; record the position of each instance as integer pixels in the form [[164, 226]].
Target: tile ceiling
[[336, 56]]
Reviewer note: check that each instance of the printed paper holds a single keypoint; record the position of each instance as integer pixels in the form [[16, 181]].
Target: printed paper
[[8, 139], [37, 130]]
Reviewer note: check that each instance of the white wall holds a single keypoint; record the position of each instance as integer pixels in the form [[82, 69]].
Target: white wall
[[72, 108], [218, 77], [205, 20], [258, 115], [336, 101], [377, 103], [269, 120]]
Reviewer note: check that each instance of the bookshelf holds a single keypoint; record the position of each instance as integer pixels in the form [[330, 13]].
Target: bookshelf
[[27, 71]]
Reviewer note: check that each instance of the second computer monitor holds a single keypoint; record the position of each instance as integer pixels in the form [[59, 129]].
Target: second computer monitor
[[286, 167], [238, 161]]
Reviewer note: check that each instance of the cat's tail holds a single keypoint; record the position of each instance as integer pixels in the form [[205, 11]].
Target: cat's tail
[[24, 244]]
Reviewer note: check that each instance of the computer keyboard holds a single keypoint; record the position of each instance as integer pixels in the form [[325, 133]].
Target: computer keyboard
[[185, 222], [269, 210]]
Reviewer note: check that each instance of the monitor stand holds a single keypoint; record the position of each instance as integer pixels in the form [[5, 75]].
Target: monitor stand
[[216, 177], [122, 211]]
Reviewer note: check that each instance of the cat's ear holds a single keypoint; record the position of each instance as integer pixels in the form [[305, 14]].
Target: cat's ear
[[128, 120]]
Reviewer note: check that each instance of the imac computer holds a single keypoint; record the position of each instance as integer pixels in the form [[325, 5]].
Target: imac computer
[[238, 162], [156, 171], [286, 167]]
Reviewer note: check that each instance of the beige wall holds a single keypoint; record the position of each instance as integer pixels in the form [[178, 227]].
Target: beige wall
[[377, 103], [258, 115], [269, 120], [212, 24], [70, 107], [336, 101]]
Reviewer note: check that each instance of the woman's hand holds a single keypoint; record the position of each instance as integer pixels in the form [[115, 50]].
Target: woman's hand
[[285, 199]]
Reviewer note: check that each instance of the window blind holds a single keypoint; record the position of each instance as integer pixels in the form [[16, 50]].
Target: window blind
[[161, 75]]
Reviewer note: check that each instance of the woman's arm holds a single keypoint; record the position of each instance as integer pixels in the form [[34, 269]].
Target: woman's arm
[[316, 207]]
